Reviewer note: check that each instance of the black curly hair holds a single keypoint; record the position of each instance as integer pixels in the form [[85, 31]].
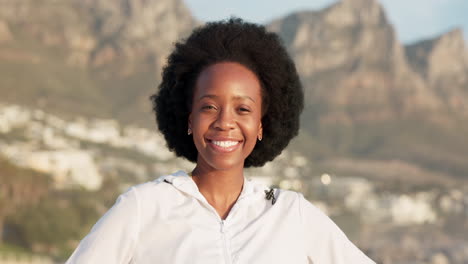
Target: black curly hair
[[251, 45]]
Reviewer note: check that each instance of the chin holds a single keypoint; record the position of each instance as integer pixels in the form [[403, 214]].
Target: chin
[[220, 164], [226, 165]]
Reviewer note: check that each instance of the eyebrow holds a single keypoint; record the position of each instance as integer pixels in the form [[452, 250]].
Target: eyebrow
[[237, 97]]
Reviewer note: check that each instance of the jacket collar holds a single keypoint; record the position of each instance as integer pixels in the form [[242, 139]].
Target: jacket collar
[[184, 183]]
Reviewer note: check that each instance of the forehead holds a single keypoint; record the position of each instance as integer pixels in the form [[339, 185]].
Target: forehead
[[227, 78]]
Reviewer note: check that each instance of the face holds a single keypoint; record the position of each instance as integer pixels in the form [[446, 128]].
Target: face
[[226, 115]]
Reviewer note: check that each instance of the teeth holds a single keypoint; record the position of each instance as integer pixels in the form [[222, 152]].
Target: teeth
[[225, 144]]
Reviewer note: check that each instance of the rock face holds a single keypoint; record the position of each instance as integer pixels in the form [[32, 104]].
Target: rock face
[[352, 63], [369, 96], [5, 34], [91, 57], [443, 63], [97, 32], [363, 88]]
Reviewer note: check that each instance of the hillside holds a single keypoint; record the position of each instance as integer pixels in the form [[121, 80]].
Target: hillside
[[369, 99], [382, 149], [98, 58]]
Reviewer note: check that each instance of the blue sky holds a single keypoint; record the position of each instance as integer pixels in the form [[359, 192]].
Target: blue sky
[[413, 19]]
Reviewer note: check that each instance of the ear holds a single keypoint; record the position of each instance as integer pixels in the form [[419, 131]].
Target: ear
[[189, 125], [190, 121], [260, 132]]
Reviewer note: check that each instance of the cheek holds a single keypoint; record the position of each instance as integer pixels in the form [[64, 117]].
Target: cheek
[[200, 123], [253, 130]]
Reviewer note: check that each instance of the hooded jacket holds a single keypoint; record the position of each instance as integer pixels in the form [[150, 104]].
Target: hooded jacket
[[169, 221]]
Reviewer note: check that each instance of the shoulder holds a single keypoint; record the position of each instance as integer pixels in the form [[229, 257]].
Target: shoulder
[[297, 199], [156, 189], [310, 216], [326, 242], [288, 200]]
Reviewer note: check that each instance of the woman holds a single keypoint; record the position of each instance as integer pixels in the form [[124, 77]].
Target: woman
[[230, 98]]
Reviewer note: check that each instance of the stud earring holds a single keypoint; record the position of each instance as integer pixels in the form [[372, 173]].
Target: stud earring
[[260, 137], [189, 131]]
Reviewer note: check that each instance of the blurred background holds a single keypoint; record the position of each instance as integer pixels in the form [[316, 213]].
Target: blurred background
[[383, 148]]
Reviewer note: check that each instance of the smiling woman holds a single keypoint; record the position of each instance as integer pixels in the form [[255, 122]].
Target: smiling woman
[[230, 98], [226, 116]]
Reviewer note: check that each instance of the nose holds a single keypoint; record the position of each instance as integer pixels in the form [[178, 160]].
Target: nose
[[225, 120]]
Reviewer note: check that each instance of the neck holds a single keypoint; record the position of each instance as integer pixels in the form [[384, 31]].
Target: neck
[[220, 188]]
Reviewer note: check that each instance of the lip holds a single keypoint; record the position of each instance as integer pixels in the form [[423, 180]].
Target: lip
[[222, 149]]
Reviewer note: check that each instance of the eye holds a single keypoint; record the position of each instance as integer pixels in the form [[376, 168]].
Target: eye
[[208, 107], [243, 109]]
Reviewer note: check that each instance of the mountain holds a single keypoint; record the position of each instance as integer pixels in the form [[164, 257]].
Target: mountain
[[97, 32], [369, 99], [382, 149], [85, 56], [443, 63], [352, 63]]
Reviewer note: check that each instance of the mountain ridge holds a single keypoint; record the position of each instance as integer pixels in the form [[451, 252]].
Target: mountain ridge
[[367, 95]]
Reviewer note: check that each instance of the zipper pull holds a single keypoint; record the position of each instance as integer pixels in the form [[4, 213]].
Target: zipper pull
[[222, 226]]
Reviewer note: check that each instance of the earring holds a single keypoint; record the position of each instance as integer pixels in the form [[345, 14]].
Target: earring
[[260, 137], [189, 131]]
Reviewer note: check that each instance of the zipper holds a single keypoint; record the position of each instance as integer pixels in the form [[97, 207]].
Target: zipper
[[222, 231], [227, 258]]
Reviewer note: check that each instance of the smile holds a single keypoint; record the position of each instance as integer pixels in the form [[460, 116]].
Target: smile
[[224, 145]]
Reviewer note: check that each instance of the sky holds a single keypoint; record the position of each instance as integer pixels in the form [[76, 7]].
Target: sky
[[413, 19]]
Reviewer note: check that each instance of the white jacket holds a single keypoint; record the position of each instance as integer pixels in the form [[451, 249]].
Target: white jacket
[[169, 221]]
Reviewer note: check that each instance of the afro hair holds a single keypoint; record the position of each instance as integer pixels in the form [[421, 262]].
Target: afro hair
[[237, 41]]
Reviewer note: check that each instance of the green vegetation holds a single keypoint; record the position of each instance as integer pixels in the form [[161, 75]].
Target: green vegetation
[[61, 217], [42, 220], [12, 249], [19, 188], [16, 134]]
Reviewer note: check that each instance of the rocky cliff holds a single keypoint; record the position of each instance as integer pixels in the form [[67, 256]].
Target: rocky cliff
[[97, 32], [367, 96], [443, 63], [353, 64], [89, 57]]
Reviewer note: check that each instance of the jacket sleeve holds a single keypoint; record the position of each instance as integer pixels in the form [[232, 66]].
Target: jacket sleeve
[[324, 241], [113, 238]]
